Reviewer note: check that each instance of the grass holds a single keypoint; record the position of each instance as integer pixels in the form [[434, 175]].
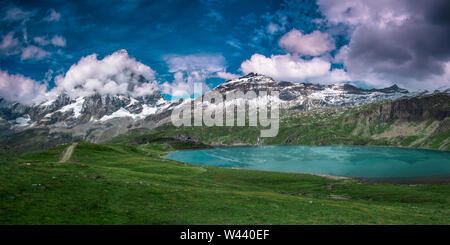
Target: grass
[[118, 184]]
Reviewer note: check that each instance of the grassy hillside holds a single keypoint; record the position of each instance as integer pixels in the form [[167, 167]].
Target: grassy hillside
[[34, 139], [118, 184], [327, 127]]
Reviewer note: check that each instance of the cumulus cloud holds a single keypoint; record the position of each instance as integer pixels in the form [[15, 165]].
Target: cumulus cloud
[[190, 69], [33, 52], [18, 88], [183, 84], [208, 63], [115, 74], [178, 88], [52, 16], [313, 44], [403, 42], [292, 68]]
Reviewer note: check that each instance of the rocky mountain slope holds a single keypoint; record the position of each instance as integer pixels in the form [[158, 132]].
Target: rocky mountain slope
[[83, 118], [309, 96]]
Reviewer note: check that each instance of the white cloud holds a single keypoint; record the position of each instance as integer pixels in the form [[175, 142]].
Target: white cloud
[[33, 52], [196, 62], [226, 75], [9, 44], [183, 85], [15, 14], [53, 16], [190, 69], [41, 41], [58, 41], [273, 28], [114, 74], [25, 34], [313, 44], [235, 43], [20, 89], [293, 68]]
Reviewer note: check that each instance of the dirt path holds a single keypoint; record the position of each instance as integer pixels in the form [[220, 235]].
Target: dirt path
[[68, 153]]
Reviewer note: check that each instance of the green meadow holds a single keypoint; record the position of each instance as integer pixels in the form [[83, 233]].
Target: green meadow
[[118, 184]]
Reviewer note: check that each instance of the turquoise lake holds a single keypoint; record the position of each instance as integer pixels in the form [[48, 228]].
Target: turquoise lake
[[350, 161]]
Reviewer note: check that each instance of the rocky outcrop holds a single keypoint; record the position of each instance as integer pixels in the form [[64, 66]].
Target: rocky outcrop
[[421, 108]]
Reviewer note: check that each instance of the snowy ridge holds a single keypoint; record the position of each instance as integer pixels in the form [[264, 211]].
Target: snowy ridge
[[122, 112], [307, 96]]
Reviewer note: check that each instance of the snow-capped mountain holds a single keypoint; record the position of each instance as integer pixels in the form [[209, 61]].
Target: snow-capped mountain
[[308, 96], [99, 117], [95, 108], [94, 117]]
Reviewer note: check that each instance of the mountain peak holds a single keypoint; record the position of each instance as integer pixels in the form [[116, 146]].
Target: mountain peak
[[251, 74], [393, 89], [394, 86]]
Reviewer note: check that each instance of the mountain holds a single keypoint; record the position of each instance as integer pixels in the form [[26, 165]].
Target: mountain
[[309, 96], [420, 122], [64, 119], [80, 110], [98, 117]]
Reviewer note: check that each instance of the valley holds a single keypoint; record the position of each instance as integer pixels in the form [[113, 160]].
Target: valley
[[119, 184]]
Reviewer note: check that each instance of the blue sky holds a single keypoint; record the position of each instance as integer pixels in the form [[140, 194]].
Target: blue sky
[[151, 30], [226, 34]]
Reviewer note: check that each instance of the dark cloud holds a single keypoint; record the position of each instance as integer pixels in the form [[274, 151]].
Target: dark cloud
[[407, 42], [438, 13]]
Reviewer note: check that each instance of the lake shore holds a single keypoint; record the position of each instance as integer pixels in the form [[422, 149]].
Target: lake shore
[[353, 161]]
